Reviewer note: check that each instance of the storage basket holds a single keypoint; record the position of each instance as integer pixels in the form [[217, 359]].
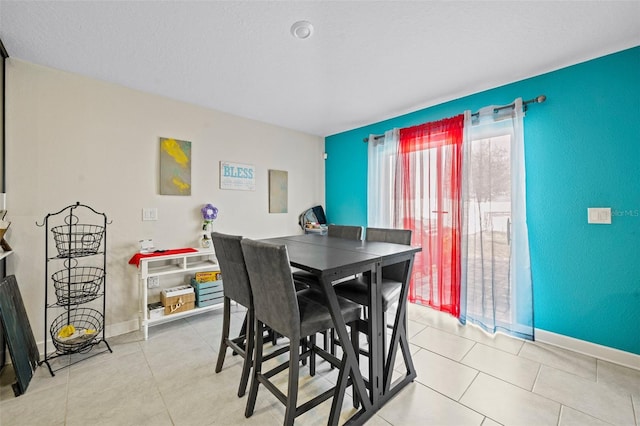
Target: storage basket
[[77, 239], [77, 285], [88, 324]]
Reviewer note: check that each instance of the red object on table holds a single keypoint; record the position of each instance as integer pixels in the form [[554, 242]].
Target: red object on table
[[135, 259]]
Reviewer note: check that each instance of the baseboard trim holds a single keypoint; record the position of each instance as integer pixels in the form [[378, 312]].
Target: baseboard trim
[[122, 328], [604, 353]]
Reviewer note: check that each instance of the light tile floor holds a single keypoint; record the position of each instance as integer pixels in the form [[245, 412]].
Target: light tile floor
[[465, 377]]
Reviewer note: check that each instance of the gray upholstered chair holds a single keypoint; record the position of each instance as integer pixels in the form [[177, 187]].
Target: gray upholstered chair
[[310, 280], [235, 288], [345, 231], [392, 275], [335, 231], [292, 314], [357, 289]]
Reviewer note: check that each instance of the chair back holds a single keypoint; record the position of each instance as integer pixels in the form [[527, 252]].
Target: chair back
[[274, 294], [397, 236], [232, 265], [344, 231]]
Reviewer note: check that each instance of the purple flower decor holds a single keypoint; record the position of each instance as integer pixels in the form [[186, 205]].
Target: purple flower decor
[[209, 212]]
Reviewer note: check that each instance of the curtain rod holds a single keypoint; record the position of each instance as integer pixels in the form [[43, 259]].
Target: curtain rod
[[537, 100]]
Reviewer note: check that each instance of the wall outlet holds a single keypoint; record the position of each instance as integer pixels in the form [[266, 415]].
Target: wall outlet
[[600, 215], [153, 282]]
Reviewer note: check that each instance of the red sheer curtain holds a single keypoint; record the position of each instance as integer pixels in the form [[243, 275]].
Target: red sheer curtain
[[427, 201]]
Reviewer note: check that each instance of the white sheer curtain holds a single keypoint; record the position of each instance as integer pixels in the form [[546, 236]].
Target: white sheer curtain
[[382, 154], [496, 289]]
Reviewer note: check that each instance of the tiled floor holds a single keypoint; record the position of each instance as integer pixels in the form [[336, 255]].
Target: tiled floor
[[465, 377]]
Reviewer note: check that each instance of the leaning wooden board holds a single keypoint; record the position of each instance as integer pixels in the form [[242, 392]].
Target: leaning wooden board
[[17, 334]]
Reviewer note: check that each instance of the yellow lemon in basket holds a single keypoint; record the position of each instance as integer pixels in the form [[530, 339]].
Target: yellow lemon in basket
[[89, 331], [66, 331]]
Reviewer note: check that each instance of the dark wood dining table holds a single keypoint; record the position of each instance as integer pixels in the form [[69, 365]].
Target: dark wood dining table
[[332, 259]]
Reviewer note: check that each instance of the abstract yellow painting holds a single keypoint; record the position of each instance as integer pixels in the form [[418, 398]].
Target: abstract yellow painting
[[175, 167]]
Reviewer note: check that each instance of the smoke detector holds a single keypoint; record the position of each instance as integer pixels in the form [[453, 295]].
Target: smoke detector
[[302, 29]]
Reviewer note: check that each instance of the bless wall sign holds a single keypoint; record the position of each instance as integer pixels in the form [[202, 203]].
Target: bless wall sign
[[237, 176]]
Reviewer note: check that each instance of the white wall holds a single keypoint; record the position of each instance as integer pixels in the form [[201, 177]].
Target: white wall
[[70, 138]]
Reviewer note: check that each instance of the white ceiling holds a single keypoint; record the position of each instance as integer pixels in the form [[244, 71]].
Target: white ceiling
[[367, 60]]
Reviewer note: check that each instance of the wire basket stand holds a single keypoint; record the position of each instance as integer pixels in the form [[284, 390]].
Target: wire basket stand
[[80, 249]]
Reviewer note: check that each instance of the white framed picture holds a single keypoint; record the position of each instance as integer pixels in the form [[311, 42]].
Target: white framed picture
[[241, 177]]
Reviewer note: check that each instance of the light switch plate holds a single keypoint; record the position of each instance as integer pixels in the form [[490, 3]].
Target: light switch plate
[[150, 213], [599, 215]]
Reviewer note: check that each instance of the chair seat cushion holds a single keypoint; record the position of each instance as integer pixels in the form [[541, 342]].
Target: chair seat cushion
[[299, 285], [305, 277], [315, 315], [357, 290], [309, 280]]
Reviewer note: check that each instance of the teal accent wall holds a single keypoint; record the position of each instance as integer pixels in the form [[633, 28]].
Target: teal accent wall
[[582, 150]]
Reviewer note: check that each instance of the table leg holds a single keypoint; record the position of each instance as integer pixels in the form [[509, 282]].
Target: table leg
[[376, 341], [399, 339], [144, 314], [349, 365]]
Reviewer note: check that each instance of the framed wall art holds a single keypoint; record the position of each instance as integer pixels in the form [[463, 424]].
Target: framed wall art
[[175, 167], [241, 177], [278, 191]]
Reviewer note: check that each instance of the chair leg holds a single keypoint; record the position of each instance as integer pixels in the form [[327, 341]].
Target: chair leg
[[248, 353], [332, 347], [226, 319], [243, 332], [355, 342], [304, 344], [312, 356], [294, 371], [384, 338], [257, 369]]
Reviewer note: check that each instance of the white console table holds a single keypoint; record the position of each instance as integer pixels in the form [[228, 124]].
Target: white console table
[[157, 266]]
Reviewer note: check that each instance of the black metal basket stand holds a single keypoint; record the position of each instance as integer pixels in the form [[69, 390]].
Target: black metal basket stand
[[78, 284]]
